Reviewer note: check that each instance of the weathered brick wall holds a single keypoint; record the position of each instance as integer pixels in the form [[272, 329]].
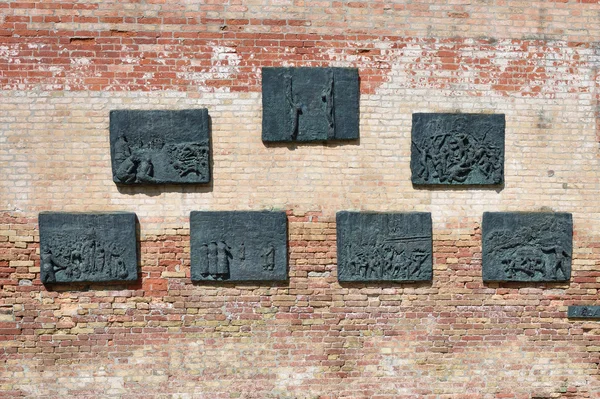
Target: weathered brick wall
[[65, 64]]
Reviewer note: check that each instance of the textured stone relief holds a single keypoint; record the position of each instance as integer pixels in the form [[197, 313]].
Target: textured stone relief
[[159, 147], [239, 246], [384, 246], [87, 247], [310, 104], [527, 246], [451, 149], [584, 312]]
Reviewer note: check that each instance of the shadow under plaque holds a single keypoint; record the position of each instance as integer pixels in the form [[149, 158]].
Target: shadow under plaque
[[157, 147], [238, 246], [392, 247], [528, 247], [88, 247], [450, 150], [310, 104]]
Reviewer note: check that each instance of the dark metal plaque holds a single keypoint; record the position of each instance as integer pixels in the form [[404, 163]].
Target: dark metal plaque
[[457, 149], [384, 246], [160, 147], [529, 247], [87, 247], [239, 246], [584, 312], [310, 104]]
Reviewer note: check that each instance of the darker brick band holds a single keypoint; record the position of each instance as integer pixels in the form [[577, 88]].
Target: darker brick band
[[211, 62]]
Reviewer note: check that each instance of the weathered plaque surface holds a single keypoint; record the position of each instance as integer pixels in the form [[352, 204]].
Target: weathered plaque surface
[[160, 147], [384, 246], [528, 247], [310, 104], [454, 149], [88, 247], [584, 312], [239, 245]]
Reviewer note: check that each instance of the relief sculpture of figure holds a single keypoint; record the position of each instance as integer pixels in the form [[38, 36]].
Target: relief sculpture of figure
[[269, 258], [215, 258], [212, 258], [400, 265], [497, 164], [75, 269], [203, 254], [373, 267], [423, 170], [223, 257], [388, 269], [363, 266], [127, 163], [127, 170], [352, 267], [418, 257], [327, 97], [115, 261], [458, 164], [99, 261], [508, 266], [122, 269], [49, 266], [295, 108], [242, 252], [145, 171], [122, 150], [557, 263], [88, 253], [136, 168], [356, 264], [439, 157]]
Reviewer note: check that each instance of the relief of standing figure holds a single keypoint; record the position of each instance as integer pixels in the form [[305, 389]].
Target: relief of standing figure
[[223, 256], [327, 98], [215, 260], [88, 252], [204, 268], [295, 107], [99, 261], [212, 258], [269, 259]]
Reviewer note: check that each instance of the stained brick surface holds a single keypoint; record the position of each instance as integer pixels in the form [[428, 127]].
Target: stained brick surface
[[65, 64]]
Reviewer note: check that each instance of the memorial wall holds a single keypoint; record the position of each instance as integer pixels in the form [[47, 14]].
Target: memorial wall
[[289, 199]]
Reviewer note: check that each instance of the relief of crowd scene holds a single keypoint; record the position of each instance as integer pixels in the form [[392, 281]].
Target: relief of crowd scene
[[454, 151], [389, 260], [82, 256], [139, 161], [532, 252]]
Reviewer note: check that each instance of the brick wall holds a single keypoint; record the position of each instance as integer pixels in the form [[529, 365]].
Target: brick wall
[[65, 64]]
